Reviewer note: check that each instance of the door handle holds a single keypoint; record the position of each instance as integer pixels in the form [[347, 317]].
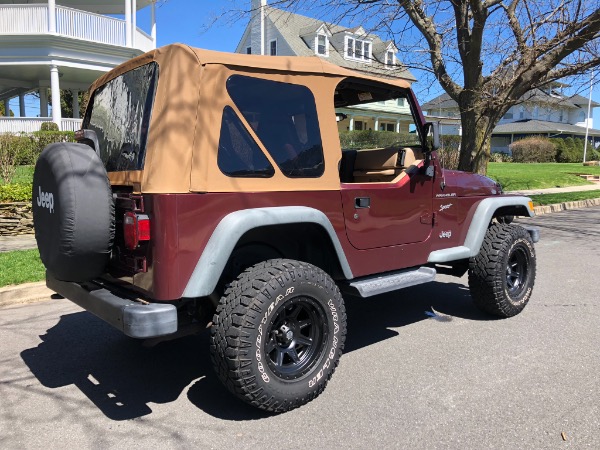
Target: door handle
[[362, 202]]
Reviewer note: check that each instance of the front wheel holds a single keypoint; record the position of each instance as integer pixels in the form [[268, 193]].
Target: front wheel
[[278, 334], [502, 275]]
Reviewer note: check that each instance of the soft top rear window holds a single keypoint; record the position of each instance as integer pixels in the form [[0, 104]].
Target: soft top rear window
[[119, 113]]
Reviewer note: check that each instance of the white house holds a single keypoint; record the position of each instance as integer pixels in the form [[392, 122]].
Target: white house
[[541, 112], [63, 44], [272, 31]]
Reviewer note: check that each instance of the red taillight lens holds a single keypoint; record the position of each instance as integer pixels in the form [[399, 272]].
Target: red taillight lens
[[136, 228]]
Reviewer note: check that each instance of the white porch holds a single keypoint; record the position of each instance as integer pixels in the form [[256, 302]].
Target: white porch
[[63, 44]]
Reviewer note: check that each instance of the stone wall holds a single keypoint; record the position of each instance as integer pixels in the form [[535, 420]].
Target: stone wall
[[16, 218]]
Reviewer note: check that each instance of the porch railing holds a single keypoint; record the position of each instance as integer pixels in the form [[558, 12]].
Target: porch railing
[[33, 19], [31, 124]]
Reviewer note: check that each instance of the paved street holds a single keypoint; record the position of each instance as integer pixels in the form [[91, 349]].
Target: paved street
[[406, 380]]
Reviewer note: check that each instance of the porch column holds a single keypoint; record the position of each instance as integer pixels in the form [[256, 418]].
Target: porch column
[[51, 16], [376, 124], [397, 125], [7, 107], [351, 128], [55, 88], [127, 23], [21, 105], [153, 22], [43, 102], [75, 103], [133, 21]]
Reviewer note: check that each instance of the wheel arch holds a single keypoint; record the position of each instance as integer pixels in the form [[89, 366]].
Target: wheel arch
[[253, 227], [485, 211]]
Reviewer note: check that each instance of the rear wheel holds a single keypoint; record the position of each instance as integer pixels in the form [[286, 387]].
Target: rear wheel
[[278, 334], [502, 275]]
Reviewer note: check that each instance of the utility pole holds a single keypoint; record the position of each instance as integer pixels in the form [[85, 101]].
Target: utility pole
[[587, 121]]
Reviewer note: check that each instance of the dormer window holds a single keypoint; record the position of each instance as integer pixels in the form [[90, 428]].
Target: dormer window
[[358, 49], [390, 59], [322, 45]]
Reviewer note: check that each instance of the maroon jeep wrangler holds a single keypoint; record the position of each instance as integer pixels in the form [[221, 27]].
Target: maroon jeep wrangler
[[210, 190]]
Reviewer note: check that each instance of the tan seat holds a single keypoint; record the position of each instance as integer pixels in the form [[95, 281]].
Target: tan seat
[[382, 165]]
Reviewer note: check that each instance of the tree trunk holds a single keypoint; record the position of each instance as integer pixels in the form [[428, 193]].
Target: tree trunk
[[475, 142]]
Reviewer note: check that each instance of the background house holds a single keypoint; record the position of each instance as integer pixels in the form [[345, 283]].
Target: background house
[[63, 44], [275, 32], [542, 112]]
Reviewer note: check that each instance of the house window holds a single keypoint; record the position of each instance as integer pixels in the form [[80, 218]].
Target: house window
[[357, 49], [390, 59], [522, 112], [273, 47], [322, 45], [508, 115], [560, 115], [401, 102], [248, 50], [581, 116], [358, 125]]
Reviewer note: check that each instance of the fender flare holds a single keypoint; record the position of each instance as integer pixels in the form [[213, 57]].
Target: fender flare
[[233, 226], [478, 227]]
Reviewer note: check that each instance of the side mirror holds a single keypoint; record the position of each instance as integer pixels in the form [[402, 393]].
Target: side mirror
[[340, 116], [433, 129]]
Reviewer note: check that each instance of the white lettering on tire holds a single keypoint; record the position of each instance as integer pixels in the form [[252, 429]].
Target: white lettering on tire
[[271, 307]]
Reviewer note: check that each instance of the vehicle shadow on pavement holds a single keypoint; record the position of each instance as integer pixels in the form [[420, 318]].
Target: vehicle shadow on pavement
[[122, 377], [371, 320]]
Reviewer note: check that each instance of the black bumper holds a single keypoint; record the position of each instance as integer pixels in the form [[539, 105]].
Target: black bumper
[[133, 318]]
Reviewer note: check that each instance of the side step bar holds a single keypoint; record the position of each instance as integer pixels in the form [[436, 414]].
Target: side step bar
[[380, 284]]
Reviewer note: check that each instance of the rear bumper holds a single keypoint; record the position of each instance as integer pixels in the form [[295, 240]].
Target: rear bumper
[[133, 318]]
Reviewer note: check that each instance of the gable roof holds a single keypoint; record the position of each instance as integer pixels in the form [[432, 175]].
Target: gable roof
[[541, 126], [536, 96], [294, 26]]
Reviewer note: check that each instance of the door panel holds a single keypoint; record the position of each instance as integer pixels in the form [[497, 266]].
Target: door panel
[[387, 214]]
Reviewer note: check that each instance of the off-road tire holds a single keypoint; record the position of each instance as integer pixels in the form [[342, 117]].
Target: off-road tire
[[251, 352], [502, 275]]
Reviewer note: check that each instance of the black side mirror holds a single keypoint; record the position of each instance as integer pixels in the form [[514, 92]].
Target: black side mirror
[[433, 129]]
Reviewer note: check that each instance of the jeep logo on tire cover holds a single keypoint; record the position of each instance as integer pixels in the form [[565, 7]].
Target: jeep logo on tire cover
[[45, 200]]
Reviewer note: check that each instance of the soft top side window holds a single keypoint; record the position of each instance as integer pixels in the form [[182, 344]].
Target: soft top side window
[[119, 113], [284, 117], [239, 155]]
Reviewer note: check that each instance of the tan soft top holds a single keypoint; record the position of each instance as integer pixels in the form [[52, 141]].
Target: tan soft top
[[181, 154]]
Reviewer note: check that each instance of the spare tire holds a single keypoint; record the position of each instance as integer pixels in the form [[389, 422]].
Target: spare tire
[[73, 212]]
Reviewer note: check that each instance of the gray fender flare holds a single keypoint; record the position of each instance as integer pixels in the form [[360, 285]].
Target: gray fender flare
[[232, 227], [479, 225]]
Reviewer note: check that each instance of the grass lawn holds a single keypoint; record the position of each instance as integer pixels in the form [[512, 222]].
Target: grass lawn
[[550, 199], [22, 266], [517, 176], [23, 175]]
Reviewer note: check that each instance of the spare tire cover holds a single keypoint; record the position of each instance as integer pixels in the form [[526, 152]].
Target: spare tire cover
[[73, 212]]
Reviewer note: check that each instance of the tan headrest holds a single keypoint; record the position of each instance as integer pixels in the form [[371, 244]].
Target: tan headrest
[[378, 158]]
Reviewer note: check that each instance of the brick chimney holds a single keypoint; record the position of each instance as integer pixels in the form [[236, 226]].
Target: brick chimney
[[257, 30]]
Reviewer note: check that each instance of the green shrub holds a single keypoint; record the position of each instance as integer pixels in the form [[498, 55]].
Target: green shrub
[[9, 154], [501, 157], [49, 126], [358, 139], [449, 151], [41, 139], [15, 193], [533, 150]]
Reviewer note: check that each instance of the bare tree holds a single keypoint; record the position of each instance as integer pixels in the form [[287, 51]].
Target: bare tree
[[486, 54]]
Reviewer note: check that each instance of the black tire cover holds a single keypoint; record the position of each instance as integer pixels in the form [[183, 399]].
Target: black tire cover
[[73, 212]]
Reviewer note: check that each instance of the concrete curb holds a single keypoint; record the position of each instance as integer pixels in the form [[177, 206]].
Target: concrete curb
[[557, 207], [21, 294]]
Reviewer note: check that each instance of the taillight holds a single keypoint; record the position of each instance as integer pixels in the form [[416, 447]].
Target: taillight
[[136, 228]]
